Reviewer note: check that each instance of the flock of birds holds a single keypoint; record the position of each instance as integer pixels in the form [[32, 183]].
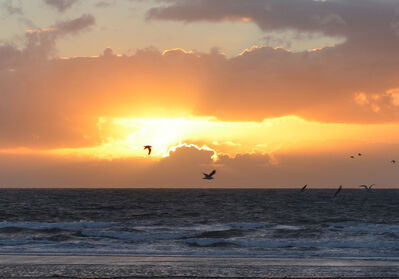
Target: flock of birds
[[366, 187], [360, 154], [209, 176]]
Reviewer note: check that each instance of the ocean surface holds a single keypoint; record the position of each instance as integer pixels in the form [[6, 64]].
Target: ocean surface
[[269, 223]]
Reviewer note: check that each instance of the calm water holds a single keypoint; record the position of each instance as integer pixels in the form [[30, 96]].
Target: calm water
[[234, 223]]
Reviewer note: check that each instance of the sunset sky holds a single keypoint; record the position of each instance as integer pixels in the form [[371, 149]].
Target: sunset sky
[[270, 93]]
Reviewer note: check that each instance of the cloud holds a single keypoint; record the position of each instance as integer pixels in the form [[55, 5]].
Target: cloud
[[105, 4], [45, 98], [184, 167], [41, 42], [333, 17], [75, 25], [31, 103], [60, 5], [12, 9], [56, 102]]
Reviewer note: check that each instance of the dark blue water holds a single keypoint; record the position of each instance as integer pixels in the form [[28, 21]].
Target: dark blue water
[[216, 222]]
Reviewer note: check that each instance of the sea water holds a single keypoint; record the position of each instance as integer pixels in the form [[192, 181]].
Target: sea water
[[221, 223]]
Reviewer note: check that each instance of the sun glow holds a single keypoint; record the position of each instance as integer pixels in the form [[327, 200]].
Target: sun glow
[[160, 133], [126, 137]]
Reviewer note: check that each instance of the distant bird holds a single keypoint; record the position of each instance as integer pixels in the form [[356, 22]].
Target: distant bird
[[337, 192], [367, 188], [352, 157], [303, 188], [393, 161], [209, 176], [149, 148], [359, 154]]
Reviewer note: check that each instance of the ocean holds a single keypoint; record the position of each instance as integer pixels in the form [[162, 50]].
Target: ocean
[[201, 223]]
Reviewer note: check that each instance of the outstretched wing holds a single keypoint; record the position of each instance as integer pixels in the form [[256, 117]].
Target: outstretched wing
[[339, 190], [304, 187], [149, 148], [371, 186], [364, 186], [212, 173]]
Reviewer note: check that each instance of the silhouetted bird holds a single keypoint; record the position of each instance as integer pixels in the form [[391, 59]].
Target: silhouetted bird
[[149, 148], [209, 176], [352, 157], [393, 161], [359, 154], [367, 188], [337, 192], [303, 188]]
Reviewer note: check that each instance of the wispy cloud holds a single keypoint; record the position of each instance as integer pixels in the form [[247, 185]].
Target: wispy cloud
[[60, 5]]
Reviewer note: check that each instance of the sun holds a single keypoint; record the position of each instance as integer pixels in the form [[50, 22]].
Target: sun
[[126, 137], [160, 133]]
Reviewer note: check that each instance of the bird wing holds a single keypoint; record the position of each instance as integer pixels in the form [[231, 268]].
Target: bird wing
[[149, 150], [371, 186], [336, 193], [212, 173], [364, 186], [304, 187]]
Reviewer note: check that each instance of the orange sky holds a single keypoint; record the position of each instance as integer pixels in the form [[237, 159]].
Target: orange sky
[[307, 85]]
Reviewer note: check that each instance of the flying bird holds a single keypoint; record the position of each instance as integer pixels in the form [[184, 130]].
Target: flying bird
[[393, 161], [352, 157], [359, 154], [149, 148], [367, 188], [337, 192], [209, 176], [303, 188]]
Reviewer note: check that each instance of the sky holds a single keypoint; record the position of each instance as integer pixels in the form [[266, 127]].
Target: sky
[[269, 93]]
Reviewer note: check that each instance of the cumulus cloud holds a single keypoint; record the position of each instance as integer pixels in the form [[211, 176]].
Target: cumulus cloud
[[263, 82], [184, 168], [44, 99], [60, 5], [30, 113]]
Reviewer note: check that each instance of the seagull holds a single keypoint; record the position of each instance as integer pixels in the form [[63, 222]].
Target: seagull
[[359, 154], [337, 192], [149, 148], [209, 176], [367, 188], [393, 161], [352, 157], [303, 188]]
